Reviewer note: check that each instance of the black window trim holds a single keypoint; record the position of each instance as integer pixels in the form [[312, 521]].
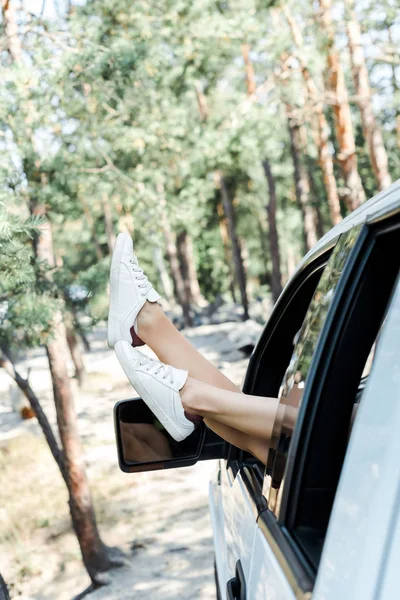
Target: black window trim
[[278, 311], [296, 567], [297, 571], [349, 283], [236, 462], [317, 375]]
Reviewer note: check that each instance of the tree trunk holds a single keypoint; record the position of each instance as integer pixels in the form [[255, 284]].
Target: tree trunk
[[82, 334], [291, 262], [249, 69], [276, 276], [202, 103], [395, 85], [171, 251], [302, 185], [94, 553], [188, 268], [354, 193], [184, 268], [73, 345], [92, 227], [162, 273], [223, 229], [319, 126], [236, 252], [24, 386], [319, 225], [108, 222], [264, 242], [4, 595], [372, 132], [14, 46]]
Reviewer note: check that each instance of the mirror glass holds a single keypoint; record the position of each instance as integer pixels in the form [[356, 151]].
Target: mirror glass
[[143, 439]]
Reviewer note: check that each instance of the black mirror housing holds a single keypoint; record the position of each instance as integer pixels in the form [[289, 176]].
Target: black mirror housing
[[143, 444]]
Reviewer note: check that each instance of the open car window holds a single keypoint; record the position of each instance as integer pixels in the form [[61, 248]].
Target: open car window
[[294, 379]]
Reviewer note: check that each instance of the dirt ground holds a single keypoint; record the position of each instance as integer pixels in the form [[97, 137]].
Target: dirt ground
[[160, 520]]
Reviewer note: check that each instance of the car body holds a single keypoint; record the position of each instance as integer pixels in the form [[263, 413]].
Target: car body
[[298, 532], [322, 519]]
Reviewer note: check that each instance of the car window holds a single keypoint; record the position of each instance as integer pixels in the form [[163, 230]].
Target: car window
[[343, 363], [270, 359], [324, 382], [294, 379]]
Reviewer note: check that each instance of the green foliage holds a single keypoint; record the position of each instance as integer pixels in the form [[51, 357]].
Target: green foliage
[[124, 103], [16, 266], [25, 313]]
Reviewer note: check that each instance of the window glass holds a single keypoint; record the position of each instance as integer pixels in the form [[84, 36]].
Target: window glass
[[294, 380], [347, 363]]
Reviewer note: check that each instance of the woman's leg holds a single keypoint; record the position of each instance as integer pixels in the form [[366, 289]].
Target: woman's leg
[[254, 415], [171, 347]]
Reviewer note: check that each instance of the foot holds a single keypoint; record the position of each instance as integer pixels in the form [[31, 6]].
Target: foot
[[158, 385], [129, 291]]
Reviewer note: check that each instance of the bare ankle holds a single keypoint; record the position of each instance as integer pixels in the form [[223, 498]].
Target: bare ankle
[[189, 396], [148, 317]]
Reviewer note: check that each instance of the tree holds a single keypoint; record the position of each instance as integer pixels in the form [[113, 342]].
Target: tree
[[28, 307], [181, 290], [188, 268], [276, 277], [354, 193], [240, 273], [319, 123], [372, 132], [302, 184], [96, 556], [4, 595]]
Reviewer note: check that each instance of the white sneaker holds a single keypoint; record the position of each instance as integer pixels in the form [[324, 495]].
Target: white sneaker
[[129, 290], [158, 385]]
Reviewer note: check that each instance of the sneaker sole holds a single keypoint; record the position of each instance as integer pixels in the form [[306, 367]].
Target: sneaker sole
[[113, 333], [153, 406]]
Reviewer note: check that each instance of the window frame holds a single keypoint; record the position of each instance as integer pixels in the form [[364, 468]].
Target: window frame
[[238, 459], [338, 325], [315, 377], [297, 569], [295, 565]]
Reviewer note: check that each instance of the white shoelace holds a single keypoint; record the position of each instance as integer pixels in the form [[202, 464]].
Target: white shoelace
[[158, 368], [144, 284]]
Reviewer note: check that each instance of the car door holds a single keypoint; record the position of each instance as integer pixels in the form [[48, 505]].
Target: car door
[[312, 427], [236, 497]]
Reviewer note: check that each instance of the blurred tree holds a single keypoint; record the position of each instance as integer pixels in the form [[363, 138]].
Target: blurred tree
[[37, 174], [354, 193], [372, 132], [302, 184], [276, 276], [318, 121], [4, 595]]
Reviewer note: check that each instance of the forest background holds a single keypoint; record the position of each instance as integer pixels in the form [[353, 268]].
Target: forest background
[[225, 137]]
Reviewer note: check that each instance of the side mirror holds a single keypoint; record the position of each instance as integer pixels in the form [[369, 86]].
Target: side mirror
[[143, 444]]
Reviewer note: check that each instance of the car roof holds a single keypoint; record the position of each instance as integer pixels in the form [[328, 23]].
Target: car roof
[[384, 204]]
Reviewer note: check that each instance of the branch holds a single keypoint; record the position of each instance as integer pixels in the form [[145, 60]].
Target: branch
[[33, 400], [95, 169]]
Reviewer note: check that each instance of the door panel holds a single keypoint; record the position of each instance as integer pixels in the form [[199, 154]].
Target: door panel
[[218, 528], [361, 522], [240, 522], [267, 580]]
